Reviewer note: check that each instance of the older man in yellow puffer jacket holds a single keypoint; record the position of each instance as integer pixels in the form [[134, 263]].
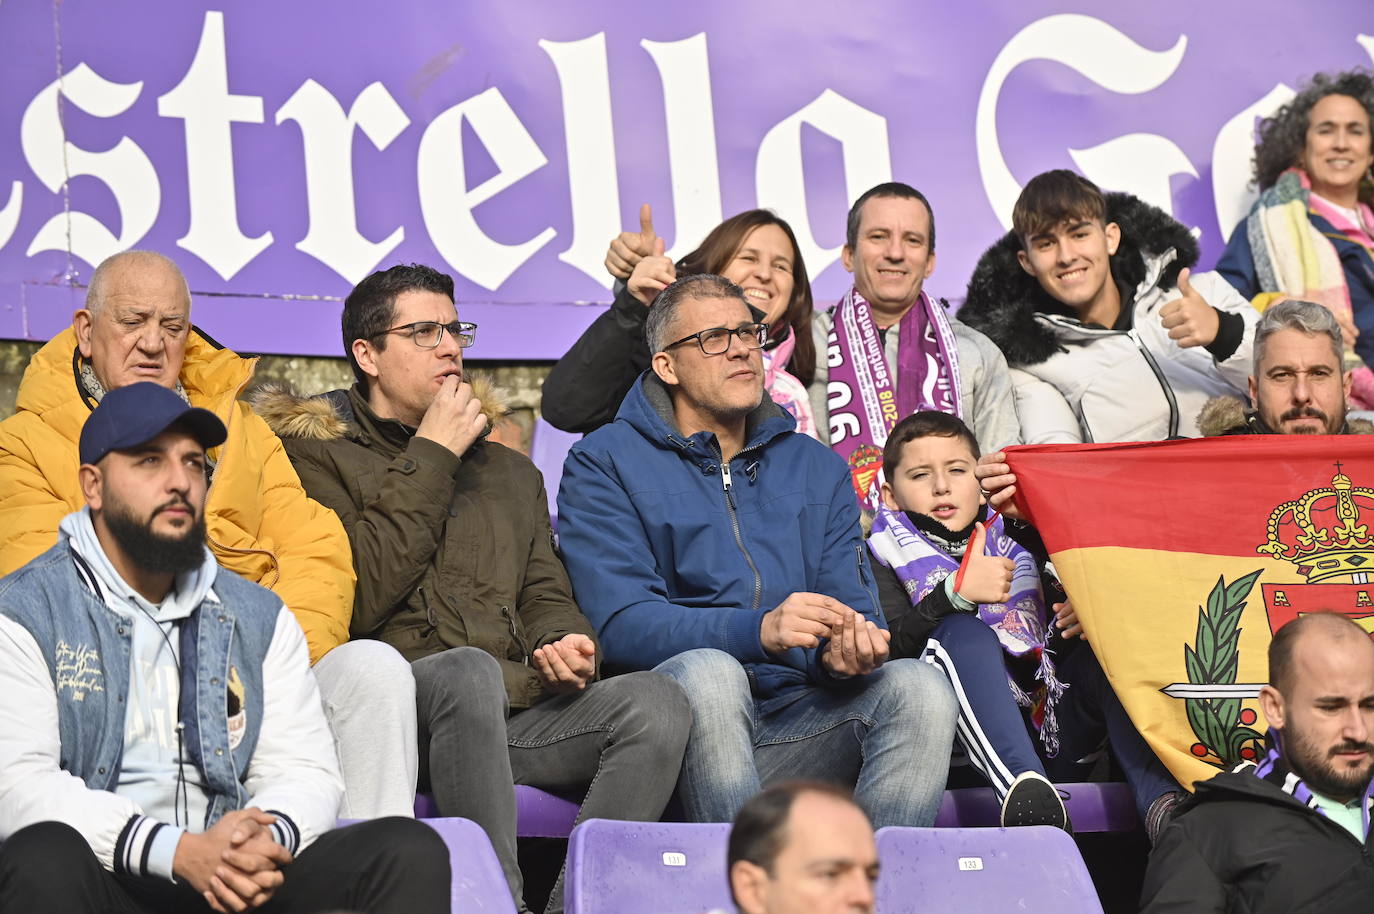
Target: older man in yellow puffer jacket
[[136, 326]]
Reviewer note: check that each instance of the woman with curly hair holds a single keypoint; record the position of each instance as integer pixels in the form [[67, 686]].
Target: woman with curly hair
[[754, 249], [1311, 233]]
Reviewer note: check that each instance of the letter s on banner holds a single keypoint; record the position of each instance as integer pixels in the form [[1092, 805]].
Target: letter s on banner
[[125, 169], [1091, 47], [447, 204]]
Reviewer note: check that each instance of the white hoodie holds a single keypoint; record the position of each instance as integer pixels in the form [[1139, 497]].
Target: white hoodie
[[294, 770]]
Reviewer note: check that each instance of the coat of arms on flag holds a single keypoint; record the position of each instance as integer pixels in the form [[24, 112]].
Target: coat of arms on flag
[[1183, 557]]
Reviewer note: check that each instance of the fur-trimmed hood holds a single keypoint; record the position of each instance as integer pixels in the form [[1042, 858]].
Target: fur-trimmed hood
[[1230, 416], [328, 416], [1003, 299]]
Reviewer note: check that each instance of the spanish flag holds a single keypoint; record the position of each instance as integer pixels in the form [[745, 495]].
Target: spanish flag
[[1183, 557]]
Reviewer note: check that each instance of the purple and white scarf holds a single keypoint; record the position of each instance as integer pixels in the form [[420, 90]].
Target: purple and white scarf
[[864, 402], [1275, 770], [1021, 624]]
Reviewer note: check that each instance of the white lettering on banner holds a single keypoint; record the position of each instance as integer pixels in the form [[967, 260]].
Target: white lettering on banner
[[1231, 156], [327, 141], [125, 170], [684, 68], [780, 178], [9, 214], [1141, 163], [592, 182], [445, 200], [202, 100], [1108, 58]]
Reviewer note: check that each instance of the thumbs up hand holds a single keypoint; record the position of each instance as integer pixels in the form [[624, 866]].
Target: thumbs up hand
[[984, 578], [629, 248], [652, 275], [1190, 320]]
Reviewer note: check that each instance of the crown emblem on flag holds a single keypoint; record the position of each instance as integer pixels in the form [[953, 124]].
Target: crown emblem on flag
[[1325, 532]]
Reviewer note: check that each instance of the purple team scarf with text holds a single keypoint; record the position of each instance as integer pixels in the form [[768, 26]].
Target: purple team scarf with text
[[1021, 624], [863, 401]]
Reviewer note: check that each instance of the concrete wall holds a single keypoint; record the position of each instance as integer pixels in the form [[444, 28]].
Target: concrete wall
[[519, 380]]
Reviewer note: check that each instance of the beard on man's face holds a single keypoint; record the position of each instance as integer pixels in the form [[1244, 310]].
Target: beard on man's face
[[1323, 773], [150, 550]]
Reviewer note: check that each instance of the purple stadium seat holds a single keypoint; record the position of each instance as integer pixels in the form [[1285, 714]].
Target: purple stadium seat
[[1093, 807], [538, 814], [646, 868], [1031, 870], [478, 882]]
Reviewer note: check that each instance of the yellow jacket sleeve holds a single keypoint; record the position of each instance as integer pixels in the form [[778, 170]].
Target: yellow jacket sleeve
[[314, 564], [38, 487]]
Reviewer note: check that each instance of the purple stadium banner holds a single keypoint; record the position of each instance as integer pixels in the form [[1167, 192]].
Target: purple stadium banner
[[281, 151]]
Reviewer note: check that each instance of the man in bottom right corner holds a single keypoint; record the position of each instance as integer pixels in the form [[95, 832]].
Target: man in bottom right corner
[[1291, 832]]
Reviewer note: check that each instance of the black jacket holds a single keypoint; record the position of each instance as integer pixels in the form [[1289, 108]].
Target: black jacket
[[584, 389], [1241, 845]]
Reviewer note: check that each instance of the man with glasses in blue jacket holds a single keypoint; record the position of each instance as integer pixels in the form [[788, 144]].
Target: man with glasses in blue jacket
[[707, 540]]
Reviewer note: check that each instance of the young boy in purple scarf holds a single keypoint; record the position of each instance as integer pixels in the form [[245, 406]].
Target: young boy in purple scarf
[[985, 622]]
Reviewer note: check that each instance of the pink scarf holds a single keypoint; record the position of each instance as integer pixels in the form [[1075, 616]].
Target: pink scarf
[[785, 389]]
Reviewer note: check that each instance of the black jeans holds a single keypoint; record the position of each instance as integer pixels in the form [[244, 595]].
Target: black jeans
[[386, 866]]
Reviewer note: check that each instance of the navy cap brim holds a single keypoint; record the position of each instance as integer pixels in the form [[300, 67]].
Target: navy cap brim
[[135, 415]]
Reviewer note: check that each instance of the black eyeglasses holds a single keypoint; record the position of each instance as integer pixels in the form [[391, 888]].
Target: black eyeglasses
[[429, 334], [717, 339]]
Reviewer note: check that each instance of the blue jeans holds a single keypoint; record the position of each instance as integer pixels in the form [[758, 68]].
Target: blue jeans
[[889, 734], [993, 730]]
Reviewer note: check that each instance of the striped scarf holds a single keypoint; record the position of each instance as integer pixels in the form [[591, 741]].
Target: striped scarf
[[1294, 258], [1022, 624]]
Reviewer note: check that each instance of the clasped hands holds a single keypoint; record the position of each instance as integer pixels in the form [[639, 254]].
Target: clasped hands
[[236, 863], [856, 645]]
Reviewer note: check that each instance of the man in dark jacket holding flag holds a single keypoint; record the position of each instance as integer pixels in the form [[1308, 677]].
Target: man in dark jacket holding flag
[[1290, 833]]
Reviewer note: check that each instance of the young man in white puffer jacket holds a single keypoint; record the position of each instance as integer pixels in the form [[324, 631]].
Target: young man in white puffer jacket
[[1109, 334]]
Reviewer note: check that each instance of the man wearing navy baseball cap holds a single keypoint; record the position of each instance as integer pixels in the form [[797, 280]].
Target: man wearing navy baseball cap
[[162, 742], [136, 327]]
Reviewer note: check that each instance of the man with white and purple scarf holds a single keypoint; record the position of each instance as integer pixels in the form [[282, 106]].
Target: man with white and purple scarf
[[890, 349], [963, 594], [1290, 833]]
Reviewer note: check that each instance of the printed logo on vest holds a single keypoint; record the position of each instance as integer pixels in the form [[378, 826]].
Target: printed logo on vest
[[78, 670], [235, 707]]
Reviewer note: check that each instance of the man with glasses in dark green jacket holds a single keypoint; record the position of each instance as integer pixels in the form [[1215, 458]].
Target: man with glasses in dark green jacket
[[457, 570]]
